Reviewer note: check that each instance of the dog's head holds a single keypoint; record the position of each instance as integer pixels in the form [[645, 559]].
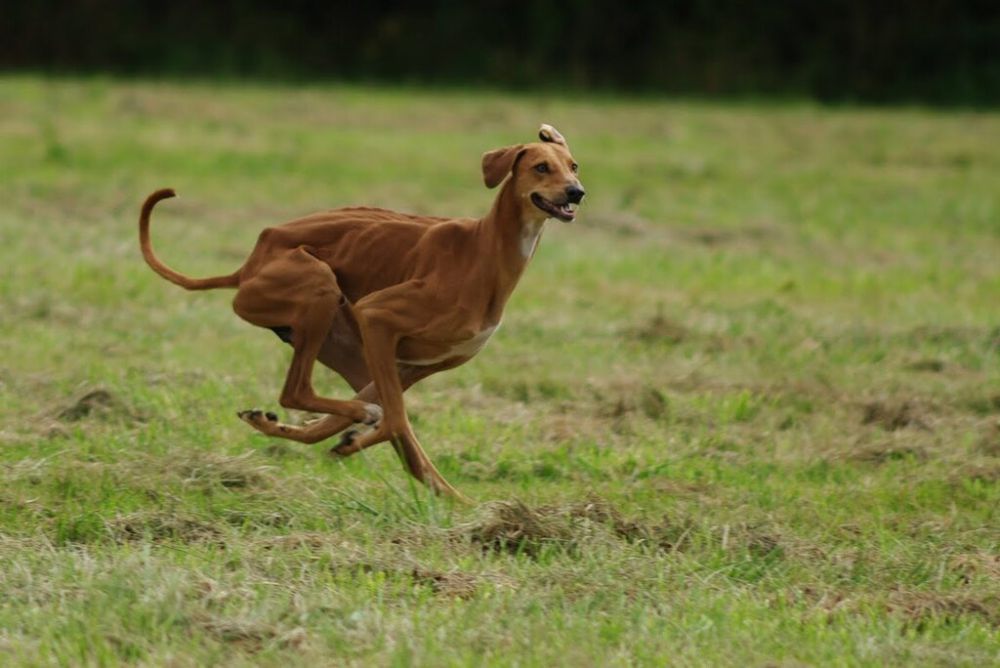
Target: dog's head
[[543, 174]]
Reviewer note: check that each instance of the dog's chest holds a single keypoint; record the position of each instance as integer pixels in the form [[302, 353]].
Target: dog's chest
[[465, 348]]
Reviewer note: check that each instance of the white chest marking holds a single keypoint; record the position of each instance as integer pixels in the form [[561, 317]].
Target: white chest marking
[[466, 348], [530, 234]]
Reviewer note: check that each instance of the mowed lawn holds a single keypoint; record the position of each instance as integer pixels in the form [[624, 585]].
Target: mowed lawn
[[744, 411]]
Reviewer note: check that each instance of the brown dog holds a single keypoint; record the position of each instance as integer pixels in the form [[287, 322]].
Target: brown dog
[[386, 299]]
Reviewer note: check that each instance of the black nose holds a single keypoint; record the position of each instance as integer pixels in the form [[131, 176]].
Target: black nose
[[574, 194]]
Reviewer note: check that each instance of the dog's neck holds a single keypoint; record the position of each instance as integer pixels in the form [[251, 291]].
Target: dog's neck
[[510, 233]]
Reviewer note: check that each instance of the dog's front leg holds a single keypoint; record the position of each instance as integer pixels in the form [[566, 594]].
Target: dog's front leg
[[384, 318]]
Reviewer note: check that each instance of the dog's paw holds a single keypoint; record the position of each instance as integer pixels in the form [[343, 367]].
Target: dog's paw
[[256, 416], [346, 441]]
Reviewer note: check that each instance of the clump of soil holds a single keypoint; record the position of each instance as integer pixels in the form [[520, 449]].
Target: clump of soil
[[99, 403], [516, 528]]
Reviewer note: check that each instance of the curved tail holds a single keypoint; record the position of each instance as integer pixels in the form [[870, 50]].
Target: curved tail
[[230, 281]]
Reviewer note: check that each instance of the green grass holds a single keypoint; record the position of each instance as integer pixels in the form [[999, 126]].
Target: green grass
[[745, 411]]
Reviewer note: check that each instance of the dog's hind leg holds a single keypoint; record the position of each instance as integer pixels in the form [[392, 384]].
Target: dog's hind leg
[[313, 432], [299, 291], [352, 441], [341, 352]]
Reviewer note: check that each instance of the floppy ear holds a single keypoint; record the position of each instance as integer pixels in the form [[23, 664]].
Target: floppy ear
[[549, 134], [499, 163]]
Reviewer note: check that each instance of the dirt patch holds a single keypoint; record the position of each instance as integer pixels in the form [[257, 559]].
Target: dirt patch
[[659, 329], [160, 526], [100, 404], [926, 365], [893, 415]]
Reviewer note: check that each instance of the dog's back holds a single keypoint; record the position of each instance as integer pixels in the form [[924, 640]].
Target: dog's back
[[367, 248]]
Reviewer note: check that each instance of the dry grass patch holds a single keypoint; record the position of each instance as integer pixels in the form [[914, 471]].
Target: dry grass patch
[[451, 583], [205, 470], [983, 564], [888, 451], [895, 414], [920, 608], [984, 473], [160, 526], [621, 399], [249, 636], [989, 440]]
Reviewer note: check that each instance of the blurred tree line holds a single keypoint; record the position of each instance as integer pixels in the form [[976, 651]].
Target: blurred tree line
[[931, 51]]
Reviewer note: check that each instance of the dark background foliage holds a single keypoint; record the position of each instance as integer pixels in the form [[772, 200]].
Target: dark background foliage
[[930, 51]]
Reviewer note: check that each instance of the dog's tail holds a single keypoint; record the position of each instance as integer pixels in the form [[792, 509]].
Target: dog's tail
[[230, 281]]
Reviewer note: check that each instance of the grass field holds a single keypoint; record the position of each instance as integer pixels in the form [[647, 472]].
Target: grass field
[[745, 411]]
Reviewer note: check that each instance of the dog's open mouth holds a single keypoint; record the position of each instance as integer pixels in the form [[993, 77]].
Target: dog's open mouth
[[564, 212]]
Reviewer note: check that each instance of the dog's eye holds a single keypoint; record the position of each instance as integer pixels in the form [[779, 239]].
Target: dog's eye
[[575, 167], [542, 168]]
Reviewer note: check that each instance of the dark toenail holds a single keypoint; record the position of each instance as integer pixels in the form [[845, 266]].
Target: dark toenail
[[346, 439], [271, 416]]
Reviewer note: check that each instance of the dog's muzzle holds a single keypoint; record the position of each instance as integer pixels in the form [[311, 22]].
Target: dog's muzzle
[[565, 210]]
